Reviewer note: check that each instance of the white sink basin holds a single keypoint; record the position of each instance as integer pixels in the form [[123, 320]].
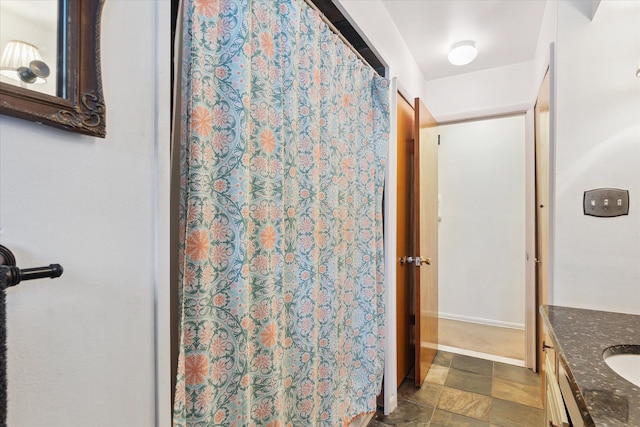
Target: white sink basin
[[626, 364]]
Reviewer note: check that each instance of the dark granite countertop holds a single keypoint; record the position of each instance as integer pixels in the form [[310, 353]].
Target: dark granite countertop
[[580, 337]]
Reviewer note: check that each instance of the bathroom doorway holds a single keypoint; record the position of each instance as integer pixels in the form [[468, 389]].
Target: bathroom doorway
[[482, 238]]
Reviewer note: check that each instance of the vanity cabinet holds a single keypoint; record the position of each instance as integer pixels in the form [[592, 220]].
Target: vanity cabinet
[[580, 389], [561, 409], [555, 413]]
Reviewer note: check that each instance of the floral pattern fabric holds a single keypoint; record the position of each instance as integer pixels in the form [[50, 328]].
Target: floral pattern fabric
[[284, 135]]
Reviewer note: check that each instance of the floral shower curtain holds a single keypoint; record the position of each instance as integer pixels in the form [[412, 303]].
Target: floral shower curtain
[[284, 135]]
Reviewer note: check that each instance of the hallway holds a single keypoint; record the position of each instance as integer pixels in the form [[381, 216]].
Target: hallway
[[484, 341], [468, 392]]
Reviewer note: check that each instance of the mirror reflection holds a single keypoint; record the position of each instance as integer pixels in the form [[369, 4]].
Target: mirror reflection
[[50, 71], [29, 43]]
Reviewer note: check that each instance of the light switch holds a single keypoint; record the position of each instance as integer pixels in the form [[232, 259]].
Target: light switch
[[597, 202]]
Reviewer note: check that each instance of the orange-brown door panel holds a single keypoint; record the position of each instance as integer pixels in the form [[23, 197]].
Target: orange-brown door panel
[[405, 356], [425, 240]]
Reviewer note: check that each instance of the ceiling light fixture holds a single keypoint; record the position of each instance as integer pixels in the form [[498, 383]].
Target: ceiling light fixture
[[463, 52]]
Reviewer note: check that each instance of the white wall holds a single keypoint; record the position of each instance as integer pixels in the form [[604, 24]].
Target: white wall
[[81, 348], [482, 93], [598, 145], [548, 34], [481, 231]]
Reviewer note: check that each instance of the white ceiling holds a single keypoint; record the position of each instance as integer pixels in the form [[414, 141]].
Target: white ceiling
[[505, 31]]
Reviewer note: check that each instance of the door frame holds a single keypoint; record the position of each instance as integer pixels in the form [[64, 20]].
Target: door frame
[[531, 286]]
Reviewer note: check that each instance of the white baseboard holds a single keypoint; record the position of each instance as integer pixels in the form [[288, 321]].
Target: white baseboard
[[480, 355], [480, 321]]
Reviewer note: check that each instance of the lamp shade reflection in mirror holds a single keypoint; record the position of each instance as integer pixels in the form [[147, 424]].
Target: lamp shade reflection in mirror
[[29, 41]]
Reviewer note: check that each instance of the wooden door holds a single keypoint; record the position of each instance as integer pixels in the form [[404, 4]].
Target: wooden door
[[426, 240], [417, 236], [404, 244], [541, 117]]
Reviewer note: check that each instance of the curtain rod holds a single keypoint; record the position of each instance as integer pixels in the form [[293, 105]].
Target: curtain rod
[[337, 32]]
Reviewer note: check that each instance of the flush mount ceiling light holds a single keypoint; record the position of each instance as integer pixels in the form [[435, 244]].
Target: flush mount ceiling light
[[463, 52]]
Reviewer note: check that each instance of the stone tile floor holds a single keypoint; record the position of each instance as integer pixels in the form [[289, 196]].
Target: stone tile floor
[[468, 392]]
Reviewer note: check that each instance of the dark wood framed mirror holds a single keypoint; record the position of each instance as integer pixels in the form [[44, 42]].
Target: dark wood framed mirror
[[78, 104]]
